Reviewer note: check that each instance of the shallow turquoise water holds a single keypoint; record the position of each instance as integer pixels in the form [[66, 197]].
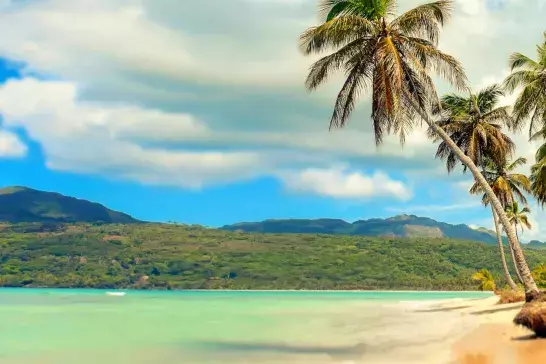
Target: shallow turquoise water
[[87, 326]]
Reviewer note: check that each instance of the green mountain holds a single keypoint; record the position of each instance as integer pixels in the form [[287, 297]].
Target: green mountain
[[22, 204], [165, 256], [536, 244], [397, 226]]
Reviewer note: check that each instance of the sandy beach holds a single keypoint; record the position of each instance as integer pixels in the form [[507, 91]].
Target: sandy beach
[[495, 340]]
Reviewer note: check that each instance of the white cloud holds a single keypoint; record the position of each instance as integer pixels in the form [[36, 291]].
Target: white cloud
[[108, 138], [121, 36], [463, 185], [339, 182], [84, 137], [11, 146]]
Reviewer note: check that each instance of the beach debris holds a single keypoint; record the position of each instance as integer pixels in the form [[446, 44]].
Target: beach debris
[[533, 315]]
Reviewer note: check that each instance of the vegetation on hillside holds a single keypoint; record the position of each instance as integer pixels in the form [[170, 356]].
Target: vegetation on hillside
[[160, 256], [397, 226], [22, 204]]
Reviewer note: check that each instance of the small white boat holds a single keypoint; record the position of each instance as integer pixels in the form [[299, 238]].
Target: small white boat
[[115, 293]]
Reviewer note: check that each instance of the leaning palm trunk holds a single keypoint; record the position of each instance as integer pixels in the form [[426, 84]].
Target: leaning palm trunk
[[507, 276], [518, 274], [531, 290]]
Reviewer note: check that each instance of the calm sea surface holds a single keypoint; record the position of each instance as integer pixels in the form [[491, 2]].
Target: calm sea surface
[[87, 326]]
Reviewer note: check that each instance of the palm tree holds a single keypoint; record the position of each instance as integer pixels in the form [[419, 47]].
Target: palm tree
[[474, 123], [538, 175], [487, 282], [505, 270], [393, 56], [530, 75], [538, 170], [508, 187], [505, 182], [518, 217]]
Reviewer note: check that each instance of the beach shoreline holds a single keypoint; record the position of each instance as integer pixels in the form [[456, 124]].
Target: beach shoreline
[[495, 340]]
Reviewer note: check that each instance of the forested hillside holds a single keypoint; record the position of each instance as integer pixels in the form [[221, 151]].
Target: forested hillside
[[161, 256], [410, 226], [23, 204]]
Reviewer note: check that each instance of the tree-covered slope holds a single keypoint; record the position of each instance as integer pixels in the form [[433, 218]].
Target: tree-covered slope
[[171, 256], [398, 226], [22, 204]]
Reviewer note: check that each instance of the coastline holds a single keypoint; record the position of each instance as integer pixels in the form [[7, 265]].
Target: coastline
[[249, 290], [495, 340]]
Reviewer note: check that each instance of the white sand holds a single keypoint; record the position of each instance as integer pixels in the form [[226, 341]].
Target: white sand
[[497, 340]]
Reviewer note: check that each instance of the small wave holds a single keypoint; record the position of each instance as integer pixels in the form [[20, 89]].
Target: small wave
[[115, 293]]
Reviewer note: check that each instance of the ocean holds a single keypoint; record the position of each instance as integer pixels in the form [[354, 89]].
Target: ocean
[[60, 326]]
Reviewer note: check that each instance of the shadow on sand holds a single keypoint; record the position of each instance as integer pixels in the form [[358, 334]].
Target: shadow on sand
[[338, 353], [531, 337], [444, 309], [501, 309], [353, 352]]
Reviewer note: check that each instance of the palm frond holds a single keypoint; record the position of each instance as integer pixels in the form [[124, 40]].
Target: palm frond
[[500, 115], [486, 279], [434, 60], [518, 60], [530, 104], [347, 96], [524, 221], [518, 162], [488, 98], [369, 9], [424, 21], [455, 105], [516, 193], [321, 69], [538, 181], [538, 175], [335, 33], [519, 78], [538, 135], [525, 104]]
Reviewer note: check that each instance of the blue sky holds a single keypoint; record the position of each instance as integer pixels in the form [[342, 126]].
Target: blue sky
[[171, 112]]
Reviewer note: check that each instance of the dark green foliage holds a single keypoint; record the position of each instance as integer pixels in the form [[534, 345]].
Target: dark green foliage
[[402, 226], [21, 204], [159, 256]]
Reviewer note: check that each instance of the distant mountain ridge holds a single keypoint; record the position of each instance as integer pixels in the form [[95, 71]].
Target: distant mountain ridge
[[537, 244], [397, 226], [23, 204]]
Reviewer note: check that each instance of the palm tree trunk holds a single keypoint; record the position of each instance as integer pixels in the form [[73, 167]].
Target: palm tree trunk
[[518, 274], [507, 276], [531, 290]]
